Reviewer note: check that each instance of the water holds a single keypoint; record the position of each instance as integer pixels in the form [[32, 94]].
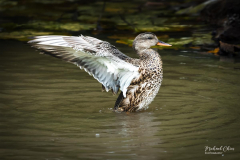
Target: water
[[52, 110]]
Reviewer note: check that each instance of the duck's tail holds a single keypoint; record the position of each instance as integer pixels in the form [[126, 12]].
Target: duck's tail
[[118, 101]]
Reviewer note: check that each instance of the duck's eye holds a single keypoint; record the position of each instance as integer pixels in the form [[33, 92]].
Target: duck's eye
[[149, 38]]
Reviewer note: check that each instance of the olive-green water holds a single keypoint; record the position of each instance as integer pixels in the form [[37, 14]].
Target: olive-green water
[[52, 110]]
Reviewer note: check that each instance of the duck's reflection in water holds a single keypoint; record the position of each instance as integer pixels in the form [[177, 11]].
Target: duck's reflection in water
[[139, 130]]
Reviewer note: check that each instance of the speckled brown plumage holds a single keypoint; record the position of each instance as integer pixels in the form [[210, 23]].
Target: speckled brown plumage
[[143, 90], [138, 79]]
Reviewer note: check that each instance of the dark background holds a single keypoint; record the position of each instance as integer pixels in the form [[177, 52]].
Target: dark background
[[178, 22]]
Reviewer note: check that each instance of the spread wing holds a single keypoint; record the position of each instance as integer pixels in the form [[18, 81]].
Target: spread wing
[[99, 58]]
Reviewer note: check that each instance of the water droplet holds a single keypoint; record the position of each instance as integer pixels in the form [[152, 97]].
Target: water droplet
[[97, 135], [110, 152], [182, 78]]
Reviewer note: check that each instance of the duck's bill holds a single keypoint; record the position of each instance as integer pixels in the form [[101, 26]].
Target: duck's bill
[[161, 43]]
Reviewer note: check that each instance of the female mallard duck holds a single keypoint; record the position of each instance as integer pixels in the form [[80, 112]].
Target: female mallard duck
[[138, 79]]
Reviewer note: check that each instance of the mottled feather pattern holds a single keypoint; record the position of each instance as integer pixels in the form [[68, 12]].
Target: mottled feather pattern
[[143, 90]]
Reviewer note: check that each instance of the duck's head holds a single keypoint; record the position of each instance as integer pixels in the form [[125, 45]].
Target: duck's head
[[147, 40]]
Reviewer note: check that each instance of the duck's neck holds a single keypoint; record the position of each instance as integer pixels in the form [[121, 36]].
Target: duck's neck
[[140, 49], [145, 53]]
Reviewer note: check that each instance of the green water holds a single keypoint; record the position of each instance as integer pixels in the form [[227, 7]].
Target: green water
[[52, 110]]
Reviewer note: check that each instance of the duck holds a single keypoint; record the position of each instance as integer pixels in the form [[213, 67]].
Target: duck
[[138, 79]]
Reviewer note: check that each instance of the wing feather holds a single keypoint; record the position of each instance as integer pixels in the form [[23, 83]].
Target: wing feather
[[98, 58]]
